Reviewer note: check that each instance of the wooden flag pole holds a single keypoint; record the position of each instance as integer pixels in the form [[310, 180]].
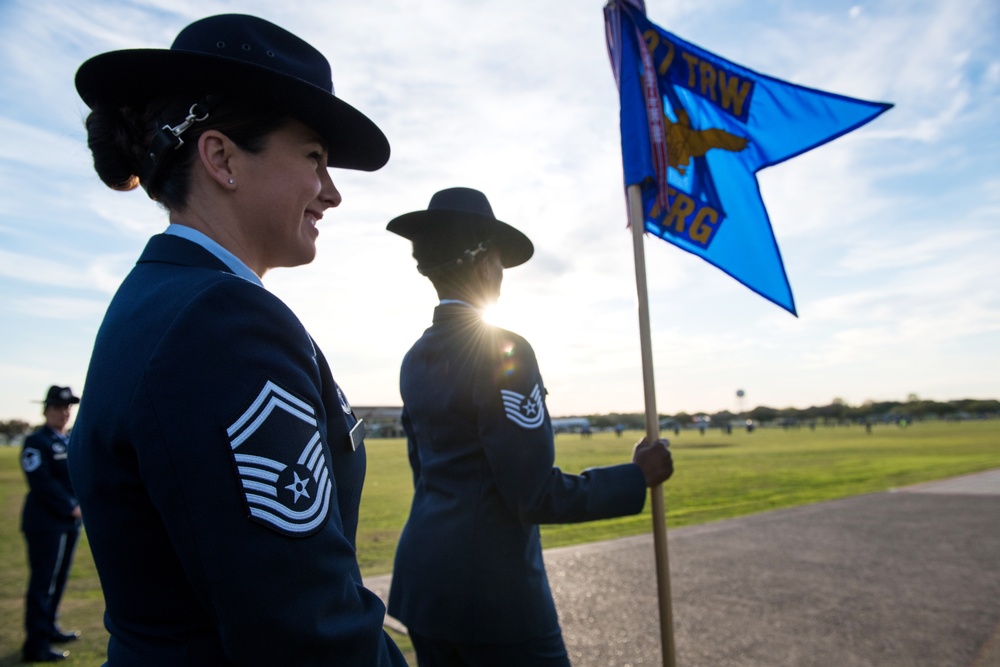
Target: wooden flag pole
[[636, 217]]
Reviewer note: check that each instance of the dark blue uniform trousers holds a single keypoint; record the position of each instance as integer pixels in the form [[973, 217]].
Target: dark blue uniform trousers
[[50, 554]]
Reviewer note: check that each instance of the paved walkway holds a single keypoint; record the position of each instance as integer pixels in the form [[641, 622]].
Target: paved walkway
[[906, 578]]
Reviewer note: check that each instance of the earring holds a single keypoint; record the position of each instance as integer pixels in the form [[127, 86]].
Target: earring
[[232, 182]]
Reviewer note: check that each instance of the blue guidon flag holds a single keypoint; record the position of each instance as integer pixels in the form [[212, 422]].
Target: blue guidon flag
[[281, 462], [696, 129]]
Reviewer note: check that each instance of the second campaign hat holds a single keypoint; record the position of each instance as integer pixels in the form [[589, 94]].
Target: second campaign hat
[[60, 396], [454, 225], [248, 56]]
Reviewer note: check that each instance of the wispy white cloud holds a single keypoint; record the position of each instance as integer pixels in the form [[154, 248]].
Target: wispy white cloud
[[28, 146], [881, 253], [102, 273], [35, 269], [57, 308]]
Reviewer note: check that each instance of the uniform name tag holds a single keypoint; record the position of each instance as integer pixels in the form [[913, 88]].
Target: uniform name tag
[[358, 434]]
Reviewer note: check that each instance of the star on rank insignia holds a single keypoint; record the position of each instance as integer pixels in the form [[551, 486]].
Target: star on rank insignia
[[282, 462], [525, 411]]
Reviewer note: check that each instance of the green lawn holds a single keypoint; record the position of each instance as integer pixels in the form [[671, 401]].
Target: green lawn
[[718, 476]]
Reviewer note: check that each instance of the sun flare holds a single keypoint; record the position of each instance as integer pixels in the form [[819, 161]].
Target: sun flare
[[499, 316]]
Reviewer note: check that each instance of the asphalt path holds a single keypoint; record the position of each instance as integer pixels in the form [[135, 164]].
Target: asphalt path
[[906, 578]]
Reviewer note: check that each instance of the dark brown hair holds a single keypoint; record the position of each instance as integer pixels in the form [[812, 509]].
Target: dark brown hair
[[119, 136]]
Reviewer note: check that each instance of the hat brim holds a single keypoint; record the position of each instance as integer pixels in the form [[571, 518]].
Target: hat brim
[[136, 76], [60, 402], [515, 247]]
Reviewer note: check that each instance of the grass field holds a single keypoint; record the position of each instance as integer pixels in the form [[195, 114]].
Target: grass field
[[718, 476]]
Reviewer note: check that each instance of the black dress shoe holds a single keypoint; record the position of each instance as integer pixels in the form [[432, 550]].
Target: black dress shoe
[[60, 637], [45, 656]]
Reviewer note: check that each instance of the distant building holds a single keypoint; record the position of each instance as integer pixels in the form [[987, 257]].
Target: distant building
[[571, 425], [12, 441], [381, 421], [386, 422], [669, 424]]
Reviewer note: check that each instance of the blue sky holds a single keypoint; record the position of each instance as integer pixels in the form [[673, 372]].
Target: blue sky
[[889, 235]]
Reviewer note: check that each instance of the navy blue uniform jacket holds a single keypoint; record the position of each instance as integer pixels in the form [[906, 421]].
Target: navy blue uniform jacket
[[217, 479], [50, 501], [469, 563]]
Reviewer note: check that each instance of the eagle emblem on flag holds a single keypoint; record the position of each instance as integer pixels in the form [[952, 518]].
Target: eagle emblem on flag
[[282, 463], [525, 411]]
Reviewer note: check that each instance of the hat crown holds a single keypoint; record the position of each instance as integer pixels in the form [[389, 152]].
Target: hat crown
[[258, 42], [248, 57], [60, 396], [463, 200], [456, 222]]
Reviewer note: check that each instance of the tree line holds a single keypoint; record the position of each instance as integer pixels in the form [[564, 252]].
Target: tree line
[[838, 411], [13, 428]]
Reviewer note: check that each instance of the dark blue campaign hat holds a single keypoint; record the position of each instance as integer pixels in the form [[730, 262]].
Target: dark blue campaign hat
[[457, 225], [247, 56], [60, 396]]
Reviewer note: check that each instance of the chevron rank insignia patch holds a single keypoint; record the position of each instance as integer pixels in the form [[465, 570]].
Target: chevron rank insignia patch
[[282, 463], [525, 411], [31, 459]]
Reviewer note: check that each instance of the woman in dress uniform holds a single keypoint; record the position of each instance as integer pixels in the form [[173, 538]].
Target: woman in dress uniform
[[469, 581], [50, 521], [218, 464]]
